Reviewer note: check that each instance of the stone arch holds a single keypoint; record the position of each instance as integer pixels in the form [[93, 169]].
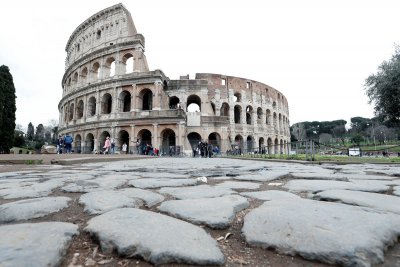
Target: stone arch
[[275, 121], [215, 139], [71, 111], [129, 63], [261, 146], [268, 117], [237, 114], [75, 79], [192, 101], [249, 144], [276, 144], [109, 67], [259, 115], [91, 107], [145, 139], [125, 101], [225, 109], [123, 137], [174, 102], [106, 104], [194, 138], [281, 143], [96, 71], [168, 140], [146, 96], [249, 113], [89, 143], [80, 108], [77, 143], [269, 146], [84, 75], [239, 144]]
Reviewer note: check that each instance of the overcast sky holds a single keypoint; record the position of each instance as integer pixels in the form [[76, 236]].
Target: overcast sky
[[317, 53]]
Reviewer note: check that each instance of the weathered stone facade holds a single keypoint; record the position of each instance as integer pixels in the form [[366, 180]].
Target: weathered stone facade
[[108, 90]]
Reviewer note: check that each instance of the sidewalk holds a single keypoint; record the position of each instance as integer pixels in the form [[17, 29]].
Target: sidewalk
[[62, 159]]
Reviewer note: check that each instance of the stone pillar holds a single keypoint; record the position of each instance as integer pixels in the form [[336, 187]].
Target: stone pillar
[[155, 135], [98, 103], [85, 105]]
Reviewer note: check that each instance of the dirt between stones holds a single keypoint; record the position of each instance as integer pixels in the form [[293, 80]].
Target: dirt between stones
[[85, 250]]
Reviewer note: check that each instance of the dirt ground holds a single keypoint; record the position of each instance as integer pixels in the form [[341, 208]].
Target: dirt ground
[[85, 251]]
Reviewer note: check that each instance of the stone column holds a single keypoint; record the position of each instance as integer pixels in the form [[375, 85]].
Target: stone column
[[98, 103], [155, 135]]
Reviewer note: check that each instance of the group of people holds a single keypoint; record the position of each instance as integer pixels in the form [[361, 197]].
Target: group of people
[[205, 150], [64, 144], [109, 147]]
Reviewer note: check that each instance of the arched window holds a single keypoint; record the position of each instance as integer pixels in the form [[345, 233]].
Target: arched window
[[95, 71], [225, 109], [249, 111], [259, 115], [91, 108], [125, 101], [147, 99], [80, 109], [237, 113], [237, 97], [84, 74], [129, 63], [193, 103], [174, 102], [106, 104]]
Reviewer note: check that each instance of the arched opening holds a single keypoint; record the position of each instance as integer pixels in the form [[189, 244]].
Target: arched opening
[[96, 71], [193, 103], [106, 103], [269, 143], [249, 111], [268, 117], [144, 137], [194, 139], [259, 115], [237, 97], [276, 144], [75, 79], [77, 144], [213, 108], [123, 138], [281, 147], [237, 113], [91, 106], [125, 101], [84, 74], [225, 109], [215, 139], [238, 145], [129, 63], [80, 109], [71, 112], [89, 144], [261, 147], [174, 102], [147, 99], [102, 140], [275, 121], [168, 143], [249, 144], [110, 67]]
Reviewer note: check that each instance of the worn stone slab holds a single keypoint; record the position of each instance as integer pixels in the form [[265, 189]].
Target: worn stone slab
[[381, 202], [32, 208], [270, 195], [323, 185], [102, 201], [200, 191], [161, 182], [156, 238], [216, 213], [262, 176], [150, 198], [38, 189], [163, 175], [238, 185], [396, 190], [35, 244], [329, 232]]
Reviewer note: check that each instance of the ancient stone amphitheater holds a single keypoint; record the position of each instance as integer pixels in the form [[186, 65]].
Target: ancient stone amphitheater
[[108, 90]]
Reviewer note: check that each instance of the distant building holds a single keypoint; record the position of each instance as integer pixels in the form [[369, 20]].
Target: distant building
[[108, 90]]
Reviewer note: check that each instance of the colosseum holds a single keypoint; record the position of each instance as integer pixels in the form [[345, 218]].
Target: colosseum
[[108, 90]]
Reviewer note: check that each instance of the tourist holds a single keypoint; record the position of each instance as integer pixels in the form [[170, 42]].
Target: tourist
[[112, 146], [124, 148], [60, 145], [107, 145], [68, 143]]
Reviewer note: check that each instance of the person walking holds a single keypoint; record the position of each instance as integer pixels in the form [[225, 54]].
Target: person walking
[[107, 145], [68, 143]]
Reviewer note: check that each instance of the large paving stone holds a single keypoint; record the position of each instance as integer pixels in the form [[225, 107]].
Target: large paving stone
[[200, 191], [102, 201], [35, 244], [270, 195], [149, 197], [372, 200], [156, 238], [329, 232], [32, 208], [238, 185], [323, 185], [161, 182], [262, 176], [36, 189], [216, 213]]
